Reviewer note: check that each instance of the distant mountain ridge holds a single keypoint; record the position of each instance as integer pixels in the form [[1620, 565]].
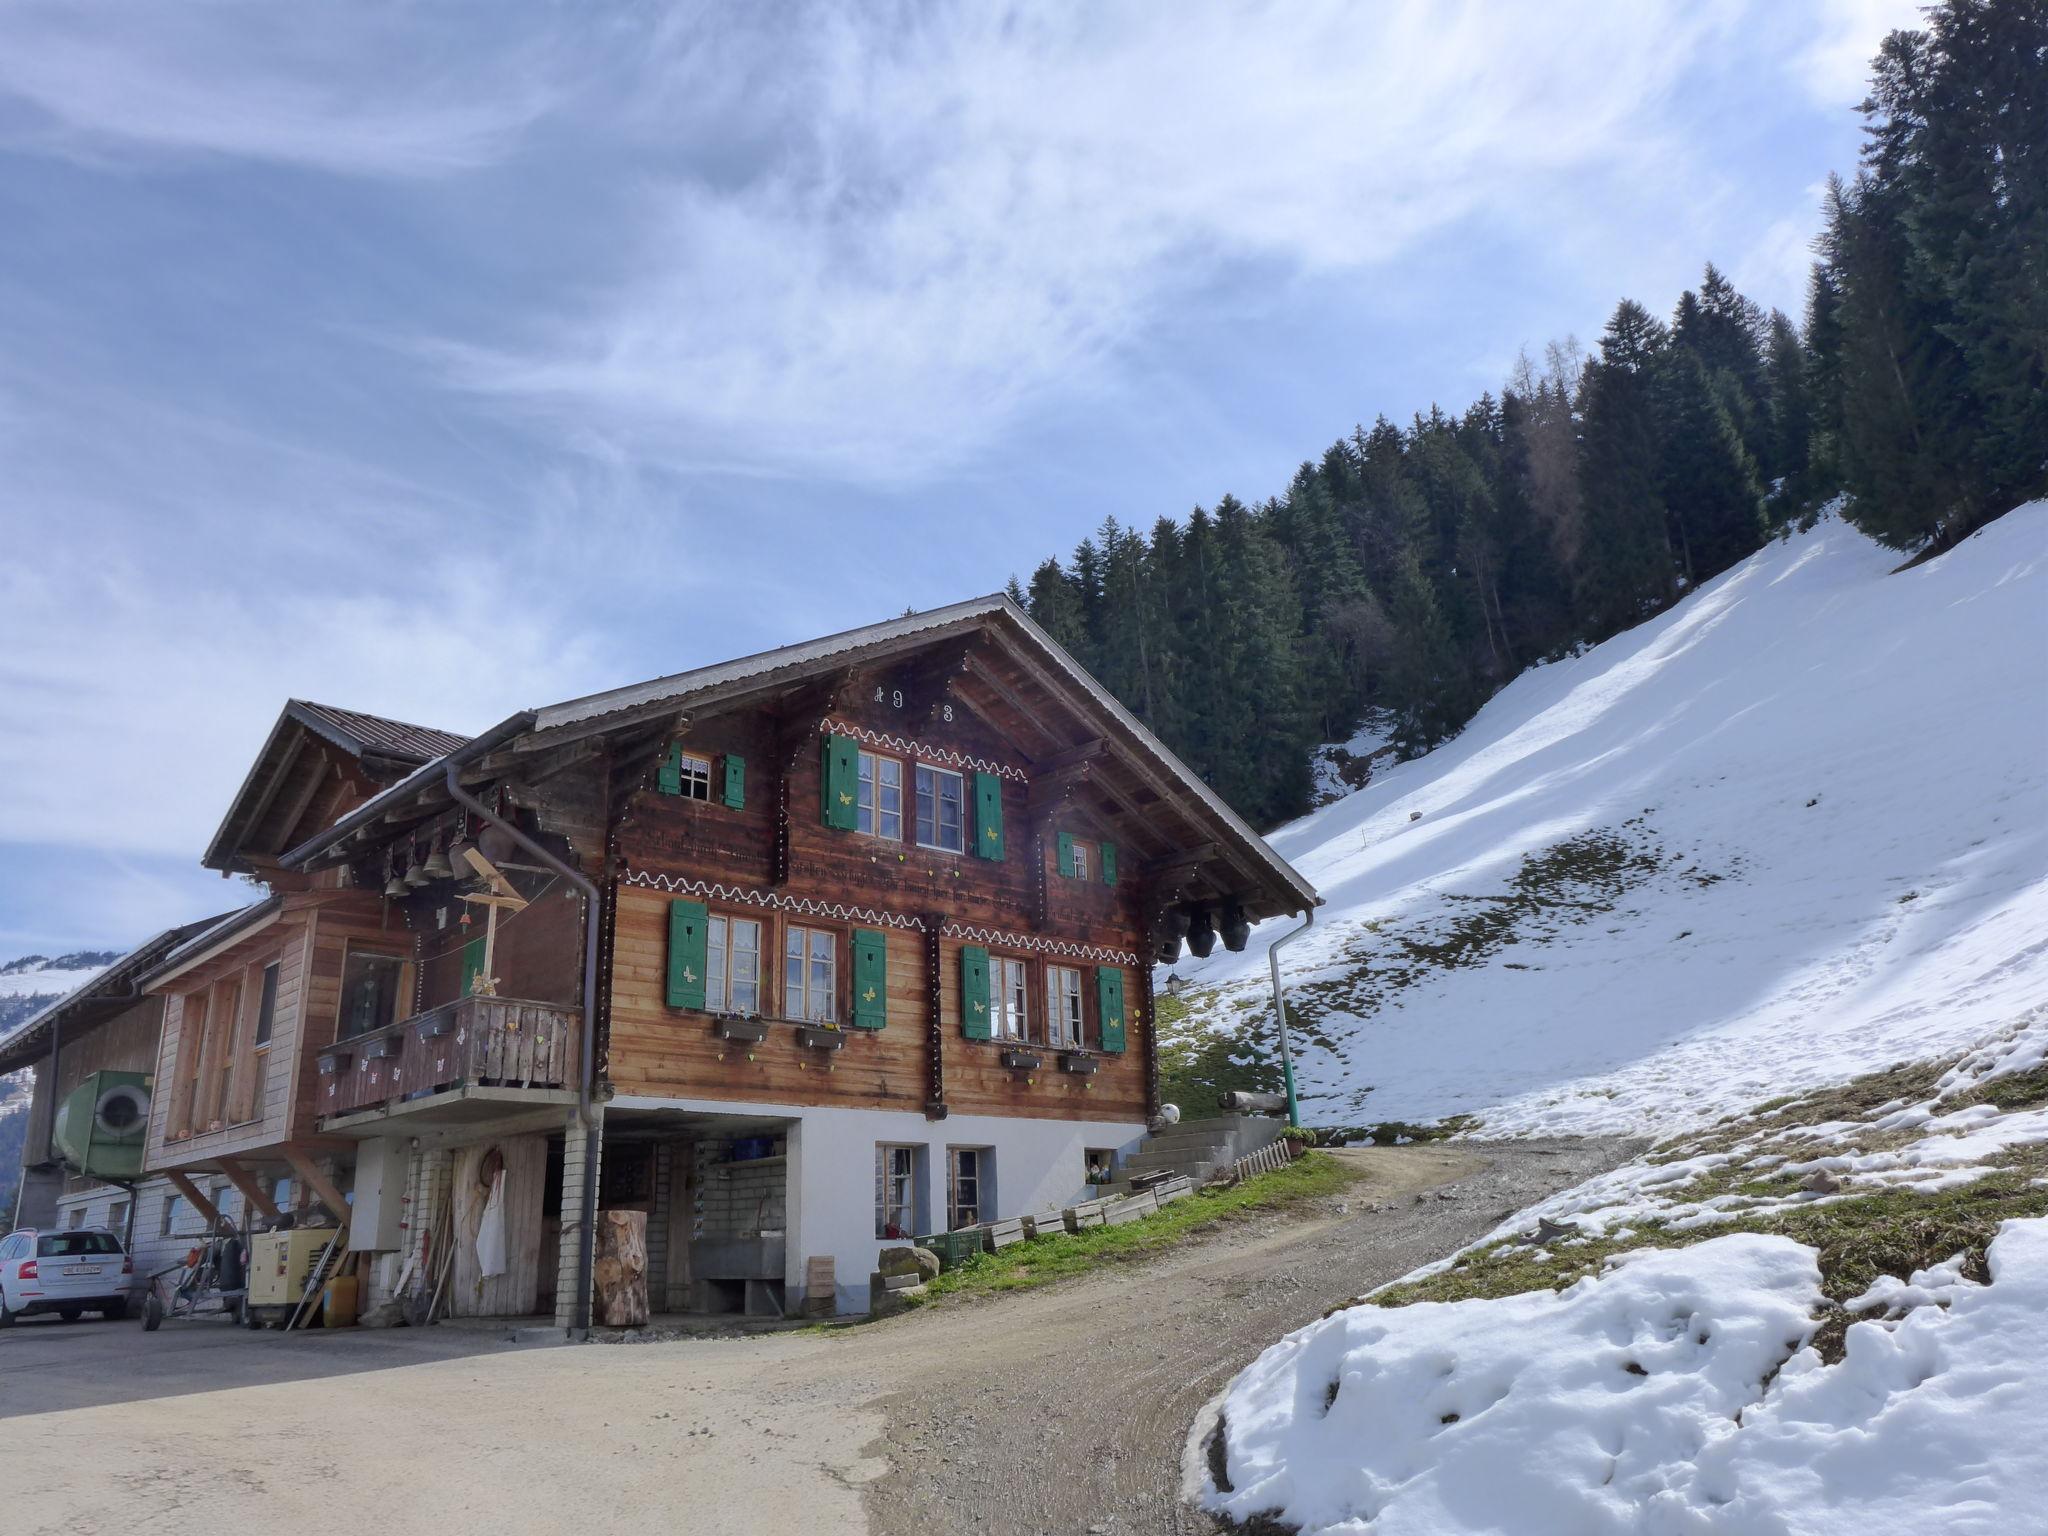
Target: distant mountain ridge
[[77, 960], [28, 985]]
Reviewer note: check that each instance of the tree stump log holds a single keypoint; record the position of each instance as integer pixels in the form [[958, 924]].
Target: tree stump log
[[619, 1277]]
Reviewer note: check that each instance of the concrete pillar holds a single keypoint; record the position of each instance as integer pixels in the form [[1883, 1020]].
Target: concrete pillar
[[577, 1144]]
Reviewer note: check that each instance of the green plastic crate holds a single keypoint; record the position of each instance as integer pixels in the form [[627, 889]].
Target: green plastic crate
[[953, 1248]]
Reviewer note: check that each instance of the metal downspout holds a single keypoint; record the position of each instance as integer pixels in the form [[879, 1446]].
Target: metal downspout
[[586, 1241], [1280, 1012]]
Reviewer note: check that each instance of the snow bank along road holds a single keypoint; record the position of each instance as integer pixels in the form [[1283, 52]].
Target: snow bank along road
[[1058, 1410]]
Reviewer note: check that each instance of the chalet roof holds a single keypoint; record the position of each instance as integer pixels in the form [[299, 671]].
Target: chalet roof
[[261, 820], [373, 735], [113, 989], [679, 687], [619, 709]]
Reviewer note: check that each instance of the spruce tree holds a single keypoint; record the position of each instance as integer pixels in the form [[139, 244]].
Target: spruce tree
[[1625, 573], [1706, 478]]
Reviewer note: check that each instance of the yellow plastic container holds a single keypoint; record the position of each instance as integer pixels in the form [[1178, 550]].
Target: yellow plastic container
[[338, 1302]]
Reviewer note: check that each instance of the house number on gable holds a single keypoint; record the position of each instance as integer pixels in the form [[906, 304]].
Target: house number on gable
[[896, 697]]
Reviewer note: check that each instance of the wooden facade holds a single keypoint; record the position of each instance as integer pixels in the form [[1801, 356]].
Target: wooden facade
[[773, 860]]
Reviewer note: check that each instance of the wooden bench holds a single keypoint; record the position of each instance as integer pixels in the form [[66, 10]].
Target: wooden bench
[[1173, 1189], [998, 1235], [1043, 1223]]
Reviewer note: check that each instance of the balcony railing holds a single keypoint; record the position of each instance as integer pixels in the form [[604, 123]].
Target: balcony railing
[[491, 1041]]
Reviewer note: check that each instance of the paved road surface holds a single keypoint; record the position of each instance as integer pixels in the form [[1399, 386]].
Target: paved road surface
[[1062, 1410]]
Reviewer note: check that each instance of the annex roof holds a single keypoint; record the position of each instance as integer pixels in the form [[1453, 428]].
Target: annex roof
[[113, 989], [265, 812]]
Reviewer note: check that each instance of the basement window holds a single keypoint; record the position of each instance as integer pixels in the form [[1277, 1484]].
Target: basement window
[[895, 1191], [965, 1186]]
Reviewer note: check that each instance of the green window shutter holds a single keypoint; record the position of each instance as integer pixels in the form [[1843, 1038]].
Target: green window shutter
[[1067, 854], [975, 1022], [1109, 863], [988, 816], [689, 930], [735, 781], [870, 978], [671, 780], [1109, 1000], [472, 964], [839, 781]]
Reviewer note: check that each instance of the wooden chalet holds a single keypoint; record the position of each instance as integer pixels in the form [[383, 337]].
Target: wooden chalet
[[795, 956]]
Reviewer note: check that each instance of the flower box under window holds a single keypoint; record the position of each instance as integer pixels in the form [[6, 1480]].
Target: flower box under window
[[1023, 1061], [1078, 1062], [819, 1038], [741, 1031]]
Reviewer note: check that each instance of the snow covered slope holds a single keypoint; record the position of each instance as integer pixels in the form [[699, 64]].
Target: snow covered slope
[[1793, 829]]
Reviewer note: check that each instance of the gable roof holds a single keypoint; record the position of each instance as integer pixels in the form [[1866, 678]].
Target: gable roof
[[385, 749], [112, 990], [373, 735], [1043, 659]]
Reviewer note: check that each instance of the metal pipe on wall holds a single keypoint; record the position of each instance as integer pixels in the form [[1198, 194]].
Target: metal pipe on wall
[[1280, 1012]]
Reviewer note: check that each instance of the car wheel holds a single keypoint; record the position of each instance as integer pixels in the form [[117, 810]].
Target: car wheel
[[71, 1314], [152, 1312]]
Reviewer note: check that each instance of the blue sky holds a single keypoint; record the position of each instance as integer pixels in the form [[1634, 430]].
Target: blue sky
[[443, 360]]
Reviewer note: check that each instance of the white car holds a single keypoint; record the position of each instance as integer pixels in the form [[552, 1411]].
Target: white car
[[68, 1273]]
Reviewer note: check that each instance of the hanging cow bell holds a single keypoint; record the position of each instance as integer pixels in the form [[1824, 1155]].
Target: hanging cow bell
[[437, 866], [1171, 928], [1236, 929], [496, 844], [416, 872], [1201, 933]]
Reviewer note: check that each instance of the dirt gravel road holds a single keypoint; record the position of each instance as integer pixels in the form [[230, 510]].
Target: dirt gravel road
[[1066, 1410], [1062, 1410]]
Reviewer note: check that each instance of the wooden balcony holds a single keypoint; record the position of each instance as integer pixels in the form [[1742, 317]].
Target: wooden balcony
[[476, 1042]]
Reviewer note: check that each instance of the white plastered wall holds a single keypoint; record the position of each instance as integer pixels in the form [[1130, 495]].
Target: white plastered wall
[[831, 1171]]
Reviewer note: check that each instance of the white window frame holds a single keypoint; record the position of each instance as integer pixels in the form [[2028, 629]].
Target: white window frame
[[895, 1190], [872, 815], [960, 1214], [811, 999], [693, 776], [1080, 853], [959, 843], [1064, 1023], [1010, 998], [721, 983]]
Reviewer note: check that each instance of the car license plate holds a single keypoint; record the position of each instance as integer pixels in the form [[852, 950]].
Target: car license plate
[[81, 1269]]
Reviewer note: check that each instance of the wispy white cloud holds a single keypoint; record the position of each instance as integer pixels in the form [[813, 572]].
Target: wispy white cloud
[[963, 214], [145, 713], [362, 89], [1842, 38]]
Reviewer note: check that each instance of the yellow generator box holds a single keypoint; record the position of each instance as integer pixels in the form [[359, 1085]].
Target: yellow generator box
[[279, 1263]]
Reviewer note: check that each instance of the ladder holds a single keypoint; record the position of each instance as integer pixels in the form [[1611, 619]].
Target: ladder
[[323, 1270]]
